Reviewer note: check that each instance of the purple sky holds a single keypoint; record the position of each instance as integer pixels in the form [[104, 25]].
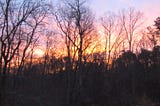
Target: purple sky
[[150, 8]]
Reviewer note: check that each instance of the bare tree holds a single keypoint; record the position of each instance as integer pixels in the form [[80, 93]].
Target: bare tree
[[152, 36], [20, 21], [148, 39], [75, 21], [132, 20], [113, 31], [18, 24], [83, 21], [64, 20], [49, 51]]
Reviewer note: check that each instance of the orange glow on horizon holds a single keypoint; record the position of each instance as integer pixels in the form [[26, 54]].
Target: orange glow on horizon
[[39, 52]]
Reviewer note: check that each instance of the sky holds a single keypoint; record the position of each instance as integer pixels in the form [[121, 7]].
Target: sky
[[150, 8]]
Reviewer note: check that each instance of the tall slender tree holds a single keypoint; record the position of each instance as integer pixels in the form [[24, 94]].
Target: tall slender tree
[[75, 21], [113, 31], [131, 20]]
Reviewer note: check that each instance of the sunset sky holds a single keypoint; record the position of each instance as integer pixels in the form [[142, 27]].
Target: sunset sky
[[150, 8]]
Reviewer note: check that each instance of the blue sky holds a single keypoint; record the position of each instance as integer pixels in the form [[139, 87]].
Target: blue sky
[[150, 8]]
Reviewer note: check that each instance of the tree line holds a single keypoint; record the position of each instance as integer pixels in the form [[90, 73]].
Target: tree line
[[122, 47]]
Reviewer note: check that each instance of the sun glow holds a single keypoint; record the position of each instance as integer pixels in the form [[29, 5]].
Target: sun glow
[[39, 52]]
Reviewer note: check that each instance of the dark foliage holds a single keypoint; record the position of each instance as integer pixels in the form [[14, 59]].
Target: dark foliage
[[157, 23], [132, 80]]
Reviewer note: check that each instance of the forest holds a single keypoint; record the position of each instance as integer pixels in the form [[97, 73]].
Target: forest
[[64, 55]]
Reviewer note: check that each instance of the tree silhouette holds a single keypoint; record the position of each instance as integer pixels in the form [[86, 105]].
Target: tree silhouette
[[131, 21], [19, 23], [113, 31], [157, 23]]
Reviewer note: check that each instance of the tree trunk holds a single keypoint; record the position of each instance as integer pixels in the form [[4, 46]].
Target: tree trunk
[[109, 55], [2, 85], [130, 46]]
